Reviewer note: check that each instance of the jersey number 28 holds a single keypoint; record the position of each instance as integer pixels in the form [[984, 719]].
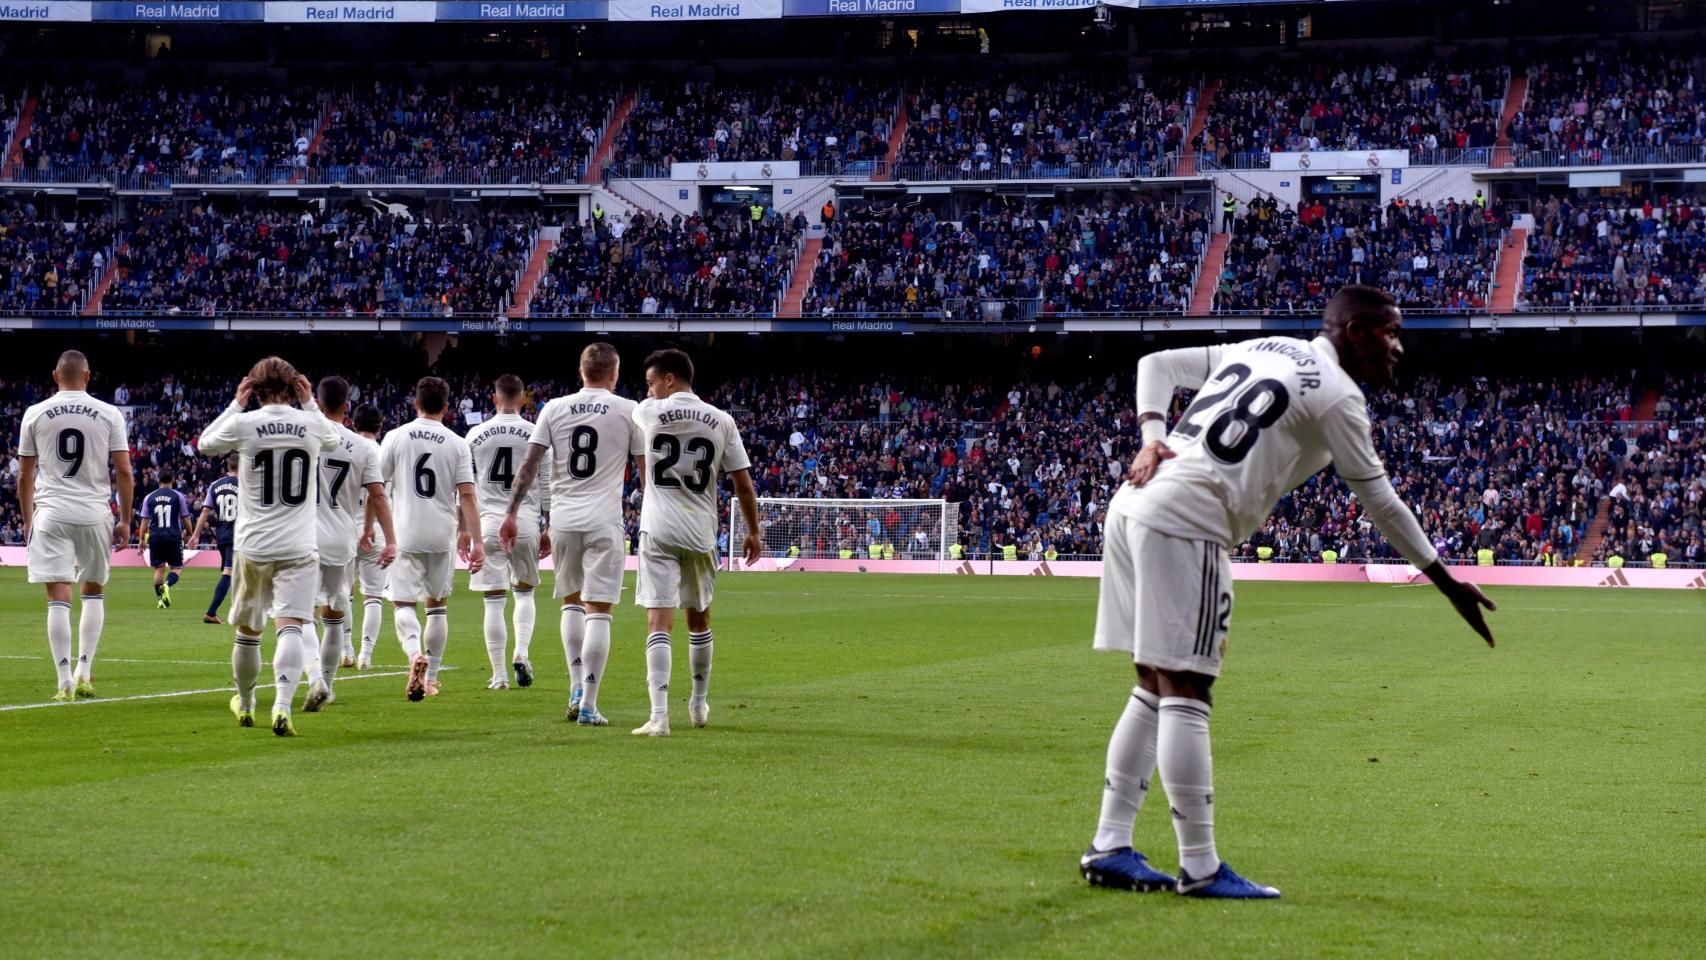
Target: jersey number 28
[[1258, 407]]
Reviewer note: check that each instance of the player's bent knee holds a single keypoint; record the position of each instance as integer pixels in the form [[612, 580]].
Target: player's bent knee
[[1183, 683]]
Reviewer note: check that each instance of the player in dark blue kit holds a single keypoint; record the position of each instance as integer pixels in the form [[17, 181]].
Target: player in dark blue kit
[[165, 520], [219, 509]]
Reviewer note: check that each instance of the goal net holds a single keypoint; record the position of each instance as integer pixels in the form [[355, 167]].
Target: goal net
[[849, 529]]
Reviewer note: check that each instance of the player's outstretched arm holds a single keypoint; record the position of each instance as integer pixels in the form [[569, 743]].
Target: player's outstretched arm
[[1465, 597], [752, 547], [529, 472]]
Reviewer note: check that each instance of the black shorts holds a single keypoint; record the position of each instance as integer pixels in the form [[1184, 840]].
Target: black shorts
[[165, 551], [225, 550]]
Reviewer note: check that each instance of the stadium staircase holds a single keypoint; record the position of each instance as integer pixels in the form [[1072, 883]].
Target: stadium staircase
[[607, 142], [1509, 279], [1208, 276], [93, 307], [1515, 96], [1644, 410], [530, 275], [897, 136], [1199, 122], [20, 133], [804, 268]]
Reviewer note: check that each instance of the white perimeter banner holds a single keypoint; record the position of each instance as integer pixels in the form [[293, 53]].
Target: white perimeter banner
[[354, 11], [1339, 161], [665, 10], [745, 170], [77, 11]]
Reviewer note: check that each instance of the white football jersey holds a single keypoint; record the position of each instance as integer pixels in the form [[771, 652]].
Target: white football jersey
[[74, 436], [423, 463], [1268, 415], [344, 475], [590, 435], [499, 446], [279, 448], [687, 443]]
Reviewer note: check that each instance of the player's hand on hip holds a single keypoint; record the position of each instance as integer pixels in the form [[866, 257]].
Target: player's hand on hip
[[507, 532], [387, 555], [1470, 603], [751, 549], [1147, 460]]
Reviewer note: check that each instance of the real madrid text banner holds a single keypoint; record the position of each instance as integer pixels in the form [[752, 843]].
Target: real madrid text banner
[[521, 11], [1335, 161], [656, 10], [1033, 6], [866, 8], [161, 11], [72, 10], [353, 11]]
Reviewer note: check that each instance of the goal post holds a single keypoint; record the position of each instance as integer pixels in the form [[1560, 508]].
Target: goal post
[[824, 529]]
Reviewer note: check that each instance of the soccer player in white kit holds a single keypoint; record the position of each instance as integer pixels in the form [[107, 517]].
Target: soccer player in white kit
[[65, 492], [1268, 415], [275, 563], [590, 435], [499, 447], [687, 443], [351, 499], [431, 479], [369, 572]]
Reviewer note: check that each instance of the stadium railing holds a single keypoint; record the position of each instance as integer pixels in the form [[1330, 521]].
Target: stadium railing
[[215, 174]]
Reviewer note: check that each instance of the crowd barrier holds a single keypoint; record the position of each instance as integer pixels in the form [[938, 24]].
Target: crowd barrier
[[1388, 573]]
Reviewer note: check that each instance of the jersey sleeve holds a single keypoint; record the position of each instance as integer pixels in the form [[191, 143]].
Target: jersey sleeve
[[464, 463], [27, 437], [542, 429], [388, 456], [117, 442], [1162, 373], [637, 437], [220, 436], [370, 466], [1345, 431], [207, 501], [328, 433], [734, 451]]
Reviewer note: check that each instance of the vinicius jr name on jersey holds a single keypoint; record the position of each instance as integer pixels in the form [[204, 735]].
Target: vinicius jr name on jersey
[[1299, 354]]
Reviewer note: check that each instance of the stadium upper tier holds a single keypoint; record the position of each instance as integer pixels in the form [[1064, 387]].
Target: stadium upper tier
[[1520, 468], [1593, 105]]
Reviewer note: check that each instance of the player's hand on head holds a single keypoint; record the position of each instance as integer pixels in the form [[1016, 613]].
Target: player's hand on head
[[245, 391], [304, 389], [1143, 466]]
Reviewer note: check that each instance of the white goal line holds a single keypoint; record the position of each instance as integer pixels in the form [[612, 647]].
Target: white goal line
[[6, 708]]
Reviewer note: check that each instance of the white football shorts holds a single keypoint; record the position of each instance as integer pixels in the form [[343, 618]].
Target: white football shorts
[[335, 583], [419, 577], [504, 569], [588, 562], [672, 577], [70, 552], [1164, 600], [270, 589]]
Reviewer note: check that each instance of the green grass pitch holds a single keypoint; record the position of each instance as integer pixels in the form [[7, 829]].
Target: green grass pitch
[[896, 767]]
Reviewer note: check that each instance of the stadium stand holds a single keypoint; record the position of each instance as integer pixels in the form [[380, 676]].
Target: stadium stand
[[1596, 105], [1614, 250], [49, 264]]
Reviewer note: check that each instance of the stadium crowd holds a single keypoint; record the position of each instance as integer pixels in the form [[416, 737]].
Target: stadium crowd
[[728, 263], [1431, 256], [1130, 255], [1357, 103], [50, 264], [1586, 103], [1040, 122], [354, 260], [822, 122], [1615, 250], [1517, 468]]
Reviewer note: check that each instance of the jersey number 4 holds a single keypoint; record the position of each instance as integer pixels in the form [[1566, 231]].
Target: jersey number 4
[[1258, 407], [668, 449]]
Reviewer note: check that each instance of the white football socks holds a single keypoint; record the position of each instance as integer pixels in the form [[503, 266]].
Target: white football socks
[[89, 623], [434, 638], [523, 618], [246, 668], [595, 652], [657, 673], [497, 639], [372, 617], [334, 641], [408, 624], [286, 667], [573, 628], [311, 670], [59, 638], [699, 660], [1187, 770], [1131, 765]]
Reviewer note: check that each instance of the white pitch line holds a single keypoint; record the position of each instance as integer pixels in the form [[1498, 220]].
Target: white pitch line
[[1242, 603], [177, 693], [191, 663]]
